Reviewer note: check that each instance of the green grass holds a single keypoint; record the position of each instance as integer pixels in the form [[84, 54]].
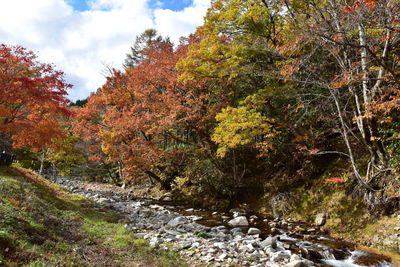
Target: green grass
[[43, 225]]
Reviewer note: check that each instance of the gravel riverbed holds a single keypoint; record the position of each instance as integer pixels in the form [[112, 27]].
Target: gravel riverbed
[[234, 242]]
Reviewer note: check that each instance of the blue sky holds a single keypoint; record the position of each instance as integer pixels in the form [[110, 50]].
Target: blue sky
[[82, 5], [79, 5], [170, 4], [82, 38]]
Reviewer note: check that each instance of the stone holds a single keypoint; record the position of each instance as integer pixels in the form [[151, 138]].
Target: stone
[[340, 254], [154, 242], [102, 200], [275, 231], [177, 221], [253, 231], [320, 219], [311, 254], [167, 199], [249, 248], [222, 256], [295, 257], [197, 218], [185, 245], [270, 251], [281, 255], [236, 230], [196, 245], [140, 235], [239, 221], [209, 258], [269, 242], [220, 245]]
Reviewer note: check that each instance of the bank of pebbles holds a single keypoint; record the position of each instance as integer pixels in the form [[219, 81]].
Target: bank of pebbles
[[199, 245]]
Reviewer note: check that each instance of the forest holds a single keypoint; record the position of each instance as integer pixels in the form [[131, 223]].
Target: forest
[[268, 101]]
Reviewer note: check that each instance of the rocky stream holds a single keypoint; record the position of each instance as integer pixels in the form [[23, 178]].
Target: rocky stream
[[213, 238]]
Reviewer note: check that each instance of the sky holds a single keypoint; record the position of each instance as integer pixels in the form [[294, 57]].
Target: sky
[[84, 37]]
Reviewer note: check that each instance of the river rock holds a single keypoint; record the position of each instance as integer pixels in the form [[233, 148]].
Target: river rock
[[140, 235], [340, 254], [253, 231], [275, 231], [295, 257], [155, 242], [269, 242], [102, 200], [320, 219], [185, 245], [281, 255], [222, 256], [220, 228], [311, 254], [240, 221], [177, 221]]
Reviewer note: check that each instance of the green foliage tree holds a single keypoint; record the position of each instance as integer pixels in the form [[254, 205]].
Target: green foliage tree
[[143, 42]]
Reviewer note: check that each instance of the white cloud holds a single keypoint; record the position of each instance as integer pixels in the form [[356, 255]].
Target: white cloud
[[180, 23], [81, 43]]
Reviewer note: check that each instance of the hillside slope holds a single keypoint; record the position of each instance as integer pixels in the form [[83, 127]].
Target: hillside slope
[[43, 225]]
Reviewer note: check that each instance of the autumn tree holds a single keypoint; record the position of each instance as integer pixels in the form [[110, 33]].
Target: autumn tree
[[237, 47], [349, 49], [32, 98], [147, 121]]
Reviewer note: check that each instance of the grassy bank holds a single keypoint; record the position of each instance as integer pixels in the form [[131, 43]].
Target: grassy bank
[[43, 225]]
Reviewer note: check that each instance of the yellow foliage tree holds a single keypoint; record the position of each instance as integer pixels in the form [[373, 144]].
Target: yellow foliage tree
[[241, 126]]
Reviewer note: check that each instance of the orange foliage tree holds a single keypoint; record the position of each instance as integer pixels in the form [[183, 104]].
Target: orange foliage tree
[[146, 120], [32, 97]]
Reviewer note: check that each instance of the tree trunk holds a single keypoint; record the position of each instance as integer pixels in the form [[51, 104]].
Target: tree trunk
[[347, 142], [371, 136], [42, 162]]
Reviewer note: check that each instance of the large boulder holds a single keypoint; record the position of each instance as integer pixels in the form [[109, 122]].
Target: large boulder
[[240, 221]]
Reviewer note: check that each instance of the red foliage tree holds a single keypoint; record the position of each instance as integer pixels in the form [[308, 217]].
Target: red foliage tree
[[32, 97]]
